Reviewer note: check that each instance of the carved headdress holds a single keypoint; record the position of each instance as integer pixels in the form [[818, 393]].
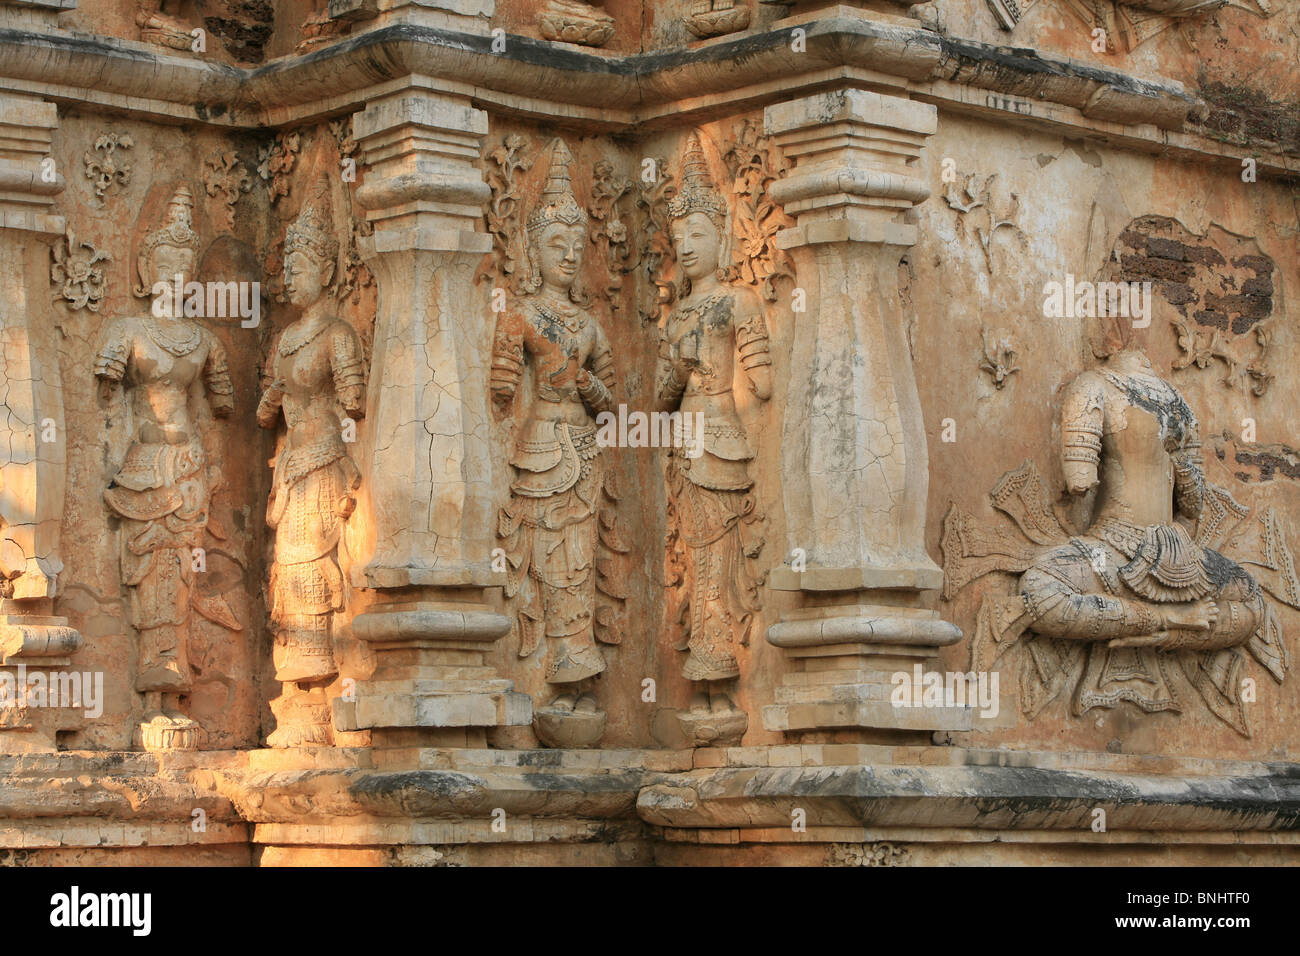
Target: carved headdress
[[557, 203], [698, 192], [313, 231], [176, 231]]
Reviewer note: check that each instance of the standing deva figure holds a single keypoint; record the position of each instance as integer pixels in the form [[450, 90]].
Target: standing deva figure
[[553, 525], [168, 364], [317, 379], [714, 525]]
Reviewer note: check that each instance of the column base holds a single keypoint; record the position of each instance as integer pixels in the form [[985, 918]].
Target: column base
[[431, 678], [846, 665]]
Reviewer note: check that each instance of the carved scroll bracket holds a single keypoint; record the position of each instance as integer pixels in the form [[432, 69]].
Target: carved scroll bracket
[[855, 468], [425, 506]]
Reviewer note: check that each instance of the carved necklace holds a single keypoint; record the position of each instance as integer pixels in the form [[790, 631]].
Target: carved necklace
[[176, 343], [688, 314], [573, 321], [287, 344], [1157, 397]]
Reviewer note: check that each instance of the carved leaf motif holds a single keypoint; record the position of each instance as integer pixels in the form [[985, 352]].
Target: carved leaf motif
[[755, 164], [504, 219]]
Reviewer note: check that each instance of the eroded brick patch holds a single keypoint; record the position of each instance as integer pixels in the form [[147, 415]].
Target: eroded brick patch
[[1220, 282]]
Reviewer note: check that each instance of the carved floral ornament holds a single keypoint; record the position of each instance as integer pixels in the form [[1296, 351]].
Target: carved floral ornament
[[105, 165], [77, 274]]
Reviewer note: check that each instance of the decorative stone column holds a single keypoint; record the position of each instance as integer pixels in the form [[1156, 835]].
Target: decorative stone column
[[33, 436], [426, 494], [855, 470]]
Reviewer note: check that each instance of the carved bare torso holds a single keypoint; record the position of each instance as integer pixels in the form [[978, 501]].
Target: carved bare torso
[[163, 359], [311, 403], [706, 328], [561, 340], [1137, 470]]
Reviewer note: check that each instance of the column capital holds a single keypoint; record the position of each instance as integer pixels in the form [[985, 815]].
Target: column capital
[[855, 155], [28, 183], [422, 189]]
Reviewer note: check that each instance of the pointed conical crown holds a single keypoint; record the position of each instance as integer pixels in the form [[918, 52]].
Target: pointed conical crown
[[697, 193], [176, 231], [557, 202], [313, 231], [177, 227]]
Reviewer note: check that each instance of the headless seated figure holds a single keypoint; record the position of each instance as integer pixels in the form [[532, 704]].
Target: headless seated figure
[[1136, 580]]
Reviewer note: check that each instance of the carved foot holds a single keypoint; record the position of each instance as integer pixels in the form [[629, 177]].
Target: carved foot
[[723, 18], [162, 30], [169, 732], [301, 721], [567, 723], [318, 30], [574, 22], [713, 720]]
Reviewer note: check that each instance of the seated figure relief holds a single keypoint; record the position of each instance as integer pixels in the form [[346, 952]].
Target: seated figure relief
[[169, 366], [1146, 601]]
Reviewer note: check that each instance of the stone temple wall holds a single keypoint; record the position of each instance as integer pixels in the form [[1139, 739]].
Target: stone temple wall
[[689, 432]]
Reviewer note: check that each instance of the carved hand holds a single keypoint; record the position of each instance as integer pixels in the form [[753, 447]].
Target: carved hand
[[1180, 624]]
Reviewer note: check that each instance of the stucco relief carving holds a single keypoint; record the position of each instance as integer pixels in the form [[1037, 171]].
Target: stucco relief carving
[[1129, 23], [573, 21], [174, 374], [226, 179], [105, 165], [755, 163], [317, 382], [1001, 351], [77, 273], [161, 28], [1149, 600], [504, 215], [714, 338], [275, 161], [711, 18], [558, 530], [989, 210]]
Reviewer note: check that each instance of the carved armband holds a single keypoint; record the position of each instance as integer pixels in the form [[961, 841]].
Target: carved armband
[[268, 409], [1082, 420], [596, 393], [349, 368], [216, 376], [752, 342], [110, 363], [1189, 479], [507, 362]]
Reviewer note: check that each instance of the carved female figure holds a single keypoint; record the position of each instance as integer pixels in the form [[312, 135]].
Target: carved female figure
[[551, 527], [715, 529], [317, 381], [169, 365]]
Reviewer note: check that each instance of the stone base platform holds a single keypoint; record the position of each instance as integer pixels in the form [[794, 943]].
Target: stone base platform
[[813, 805]]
